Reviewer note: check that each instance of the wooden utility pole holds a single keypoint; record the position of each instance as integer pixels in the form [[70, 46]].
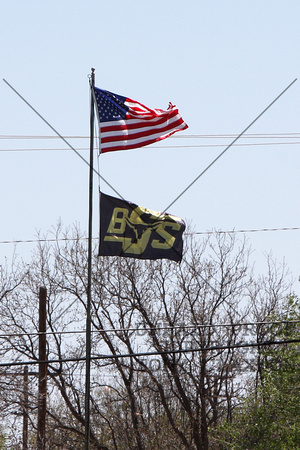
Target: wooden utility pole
[[25, 409], [42, 394]]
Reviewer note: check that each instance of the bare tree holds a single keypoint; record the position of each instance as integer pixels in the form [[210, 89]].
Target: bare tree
[[164, 368]]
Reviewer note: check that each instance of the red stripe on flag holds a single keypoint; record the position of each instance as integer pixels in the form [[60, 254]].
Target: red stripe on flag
[[131, 123], [131, 134], [128, 142], [127, 146]]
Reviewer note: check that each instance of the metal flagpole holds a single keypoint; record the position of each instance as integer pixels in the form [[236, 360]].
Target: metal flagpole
[[89, 280]]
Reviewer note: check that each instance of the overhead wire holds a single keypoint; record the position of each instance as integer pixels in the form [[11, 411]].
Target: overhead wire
[[154, 353], [33, 241], [212, 136], [185, 136], [158, 146], [159, 328]]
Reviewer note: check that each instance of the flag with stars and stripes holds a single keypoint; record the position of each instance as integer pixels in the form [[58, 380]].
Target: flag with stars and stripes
[[126, 124]]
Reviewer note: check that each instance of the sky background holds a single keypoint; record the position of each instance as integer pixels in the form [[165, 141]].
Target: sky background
[[220, 62]]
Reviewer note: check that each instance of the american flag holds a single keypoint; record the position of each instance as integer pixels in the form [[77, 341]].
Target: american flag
[[127, 124]]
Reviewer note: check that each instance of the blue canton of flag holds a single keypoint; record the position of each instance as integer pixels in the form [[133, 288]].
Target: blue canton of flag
[[110, 106]]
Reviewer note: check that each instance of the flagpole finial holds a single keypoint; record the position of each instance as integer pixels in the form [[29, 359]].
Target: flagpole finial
[[92, 77]]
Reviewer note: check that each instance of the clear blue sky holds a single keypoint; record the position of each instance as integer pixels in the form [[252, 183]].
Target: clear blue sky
[[220, 62]]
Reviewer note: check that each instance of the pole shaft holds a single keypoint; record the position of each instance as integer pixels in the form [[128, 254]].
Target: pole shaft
[[42, 394], [25, 409], [89, 281]]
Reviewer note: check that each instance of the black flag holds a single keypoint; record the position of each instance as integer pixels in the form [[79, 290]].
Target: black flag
[[132, 231]]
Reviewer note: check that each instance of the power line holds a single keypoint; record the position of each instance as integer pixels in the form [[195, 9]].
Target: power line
[[33, 241], [244, 231], [186, 136], [202, 137], [140, 329], [156, 146], [156, 353]]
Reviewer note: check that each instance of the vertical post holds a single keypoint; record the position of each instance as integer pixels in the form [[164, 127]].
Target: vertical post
[[42, 394], [89, 280], [25, 408]]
